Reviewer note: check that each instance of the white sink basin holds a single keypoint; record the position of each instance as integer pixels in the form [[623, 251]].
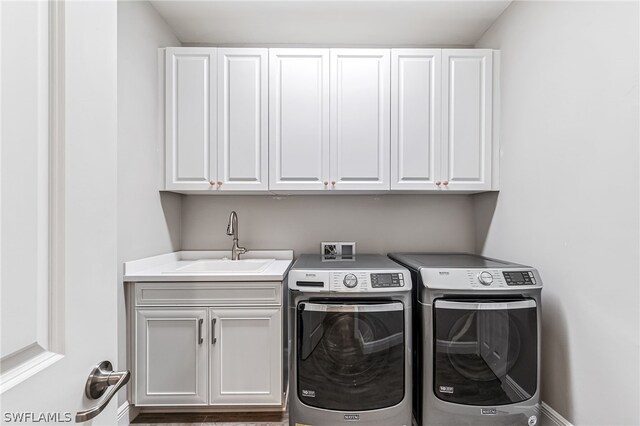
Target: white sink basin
[[223, 266]]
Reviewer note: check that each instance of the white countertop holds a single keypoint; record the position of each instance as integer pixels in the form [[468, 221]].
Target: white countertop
[[166, 267]]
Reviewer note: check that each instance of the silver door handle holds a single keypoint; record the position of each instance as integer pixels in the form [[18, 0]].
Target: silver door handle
[[213, 332], [101, 377]]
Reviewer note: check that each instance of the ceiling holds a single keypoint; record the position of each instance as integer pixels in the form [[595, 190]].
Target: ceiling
[[330, 22]]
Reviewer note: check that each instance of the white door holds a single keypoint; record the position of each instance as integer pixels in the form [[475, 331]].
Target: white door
[[299, 119], [415, 118], [246, 361], [171, 356], [190, 115], [58, 221], [466, 110], [360, 119], [243, 152]]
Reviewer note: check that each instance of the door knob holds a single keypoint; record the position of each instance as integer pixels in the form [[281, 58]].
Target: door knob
[[101, 377]]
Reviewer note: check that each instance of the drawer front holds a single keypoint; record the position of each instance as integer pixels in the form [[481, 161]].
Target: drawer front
[[208, 293]]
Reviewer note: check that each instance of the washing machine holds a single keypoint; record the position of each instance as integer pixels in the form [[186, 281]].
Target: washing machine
[[350, 349], [477, 335]]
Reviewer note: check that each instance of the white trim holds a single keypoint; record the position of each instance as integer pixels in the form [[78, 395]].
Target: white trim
[[552, 417], [27, 369], [57, 178], [126, 414]]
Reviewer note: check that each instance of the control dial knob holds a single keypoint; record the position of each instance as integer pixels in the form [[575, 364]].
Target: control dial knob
[[350, 281], [485, 278]]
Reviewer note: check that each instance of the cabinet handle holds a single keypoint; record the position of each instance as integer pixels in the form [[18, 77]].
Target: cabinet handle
[[200, 331], [213, 331], [333, 183], [219, 183], [211, 183], [445, 183], [326, 183], [438, 183]]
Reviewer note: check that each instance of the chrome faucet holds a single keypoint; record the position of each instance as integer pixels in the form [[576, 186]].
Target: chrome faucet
[[232, 229]]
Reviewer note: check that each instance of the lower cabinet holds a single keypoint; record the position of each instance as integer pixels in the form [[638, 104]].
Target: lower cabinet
[[227, 355], [171, 356], [246, 360]]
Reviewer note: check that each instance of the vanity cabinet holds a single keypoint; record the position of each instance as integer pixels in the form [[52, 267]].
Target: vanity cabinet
[[245, 363], [216, 115], [217, 344], [171, 356]]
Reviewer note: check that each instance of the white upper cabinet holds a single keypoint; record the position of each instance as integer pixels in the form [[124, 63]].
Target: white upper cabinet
[[467, 117], [360, 119], [415, 118], [299, 119], [242, 120], [326, 120], [191, 157]]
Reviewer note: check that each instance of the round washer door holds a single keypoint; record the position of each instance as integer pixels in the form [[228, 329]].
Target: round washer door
[[485, 351], [350, 356]]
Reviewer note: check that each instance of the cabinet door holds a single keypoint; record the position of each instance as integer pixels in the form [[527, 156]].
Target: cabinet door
[[415, 118], [242, 119], [246, 360], [190, 99], [360, 118], [466, 107], [171, 356], [299, 119]]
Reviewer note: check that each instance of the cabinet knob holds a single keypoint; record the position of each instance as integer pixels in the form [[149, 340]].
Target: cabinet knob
[[326, 183], [219, 183], [438, 183], [445, 183], [333, 183], [211, 183]]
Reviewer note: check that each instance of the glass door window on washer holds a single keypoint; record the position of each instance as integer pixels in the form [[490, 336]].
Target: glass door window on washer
[[485, 351], [350, 355]]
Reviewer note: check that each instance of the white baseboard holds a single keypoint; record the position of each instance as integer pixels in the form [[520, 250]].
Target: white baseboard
[[126, 414], [551, 417]]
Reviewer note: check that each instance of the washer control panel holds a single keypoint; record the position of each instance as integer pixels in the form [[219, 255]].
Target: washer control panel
[[349, 280], [480, 279], [387, 280], [519, 277]]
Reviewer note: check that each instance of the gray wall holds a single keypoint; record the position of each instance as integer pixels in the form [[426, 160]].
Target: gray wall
[[377, 224], [148, 221], [569, 194]]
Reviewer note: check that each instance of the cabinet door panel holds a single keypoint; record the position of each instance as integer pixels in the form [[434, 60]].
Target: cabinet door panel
[[171, 361], [467, 116], [190, 118], [242, 119], [299, 118], [246, 362], [415, 118], [360, 134]]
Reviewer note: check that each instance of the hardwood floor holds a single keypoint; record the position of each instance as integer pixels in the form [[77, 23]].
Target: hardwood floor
[[211, 419]]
